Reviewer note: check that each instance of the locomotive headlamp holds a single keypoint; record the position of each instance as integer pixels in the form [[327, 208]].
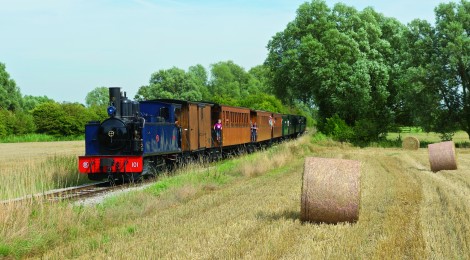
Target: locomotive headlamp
[[111, 111]]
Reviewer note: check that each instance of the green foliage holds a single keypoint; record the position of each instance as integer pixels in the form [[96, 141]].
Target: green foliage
[[261, 76], [30, 102], [98, 113], [264, 102], [341, 59], [15, 123], [309, 112], [98, 97], [23, 123], [229, 84], [175, 84], [49, 118], [366, 131], [228, 80], [438, 69], [67, 119], [338, 129], [10, 96]]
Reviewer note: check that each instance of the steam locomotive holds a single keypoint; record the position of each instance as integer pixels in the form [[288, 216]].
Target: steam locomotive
[[142, 138]]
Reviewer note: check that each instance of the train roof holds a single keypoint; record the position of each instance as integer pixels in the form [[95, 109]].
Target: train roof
[[177, 101]]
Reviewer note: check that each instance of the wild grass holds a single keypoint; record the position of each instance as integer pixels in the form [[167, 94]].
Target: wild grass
[[30, 168], [249, 207], [32, 176], [37, 138]]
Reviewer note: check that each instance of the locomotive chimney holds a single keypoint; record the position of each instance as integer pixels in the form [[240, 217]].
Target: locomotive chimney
[[115, 99]]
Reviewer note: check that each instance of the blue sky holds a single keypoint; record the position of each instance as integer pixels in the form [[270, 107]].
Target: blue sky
[[65, 48]]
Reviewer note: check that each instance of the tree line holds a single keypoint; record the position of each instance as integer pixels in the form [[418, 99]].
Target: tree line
[[367, 73], [358, 73], [228, 83]]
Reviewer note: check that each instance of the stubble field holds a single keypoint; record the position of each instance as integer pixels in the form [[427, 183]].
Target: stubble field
[[249, 207]]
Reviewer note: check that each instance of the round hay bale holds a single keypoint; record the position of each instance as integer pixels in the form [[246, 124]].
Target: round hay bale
[[410, 143], [442, 156], [330, 190]]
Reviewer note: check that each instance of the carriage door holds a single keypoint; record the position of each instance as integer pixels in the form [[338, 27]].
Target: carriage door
[[204, 125], [194, 127]]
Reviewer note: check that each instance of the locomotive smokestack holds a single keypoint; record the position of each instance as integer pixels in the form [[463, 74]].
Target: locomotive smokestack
[[115, 99]]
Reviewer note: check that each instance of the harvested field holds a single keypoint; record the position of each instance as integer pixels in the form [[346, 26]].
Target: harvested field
[[12, 154], [406, 211]]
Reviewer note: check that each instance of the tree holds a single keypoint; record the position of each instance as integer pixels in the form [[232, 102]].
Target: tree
[[261, 76], [342, 60], [228, 80], [66, 119], [439, 69], [264, 102], [30, 102], [173, 83], [453, 44], [199, 74], [98, 97], [10, 96]]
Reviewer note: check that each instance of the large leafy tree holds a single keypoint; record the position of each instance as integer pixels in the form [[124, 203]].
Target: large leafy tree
[[453, 48], [228, 80], [199, 74], [341, 59], [261, 78], [439, 69], [10, 96], [174, 83], [98, 97]]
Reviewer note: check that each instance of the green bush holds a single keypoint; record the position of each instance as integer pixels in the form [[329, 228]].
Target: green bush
[[15, 123], [67, 119], [337, 128]]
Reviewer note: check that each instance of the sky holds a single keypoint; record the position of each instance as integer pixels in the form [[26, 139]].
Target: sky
[[63, 49]]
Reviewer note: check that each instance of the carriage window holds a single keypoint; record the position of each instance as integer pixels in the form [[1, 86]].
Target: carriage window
[[177, 114], [227, 119], [164, 113]]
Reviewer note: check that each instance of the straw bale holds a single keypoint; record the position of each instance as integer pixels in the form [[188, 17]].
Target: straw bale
[[410, 143], [442, 156], [330, 190]]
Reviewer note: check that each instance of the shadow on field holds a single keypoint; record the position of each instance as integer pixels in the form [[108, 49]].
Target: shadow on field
[[284, 215]]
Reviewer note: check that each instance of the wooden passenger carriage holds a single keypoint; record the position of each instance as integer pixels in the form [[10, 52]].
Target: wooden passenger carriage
[[235, 124], [194, 120]]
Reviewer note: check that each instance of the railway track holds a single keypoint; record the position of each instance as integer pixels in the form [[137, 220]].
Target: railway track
[[79, 192], [71, 193]]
